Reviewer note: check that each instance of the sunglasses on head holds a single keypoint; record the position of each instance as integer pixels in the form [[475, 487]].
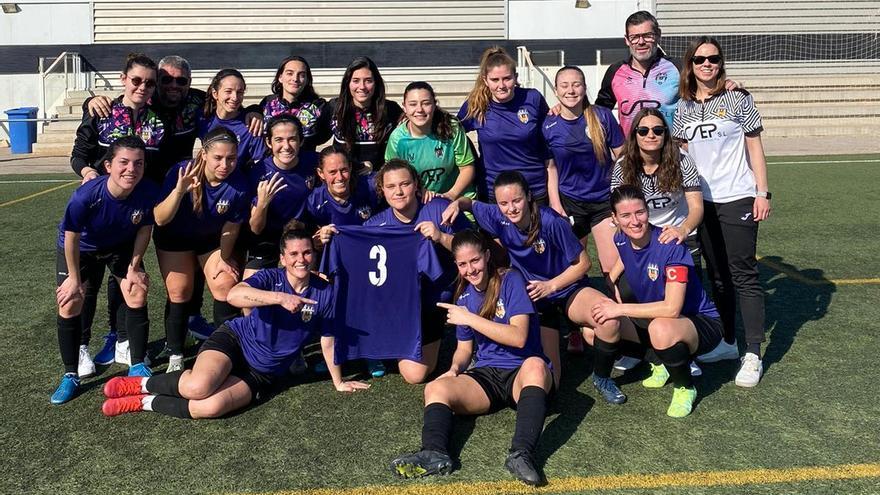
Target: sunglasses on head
[[713, 59], [658, 130], [137, 81], [180, 81]]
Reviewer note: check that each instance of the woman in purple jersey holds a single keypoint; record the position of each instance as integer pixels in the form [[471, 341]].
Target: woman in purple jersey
[[294, 94], [508, 121], [542, 246], [343, 198], [223, 108], [721, 129], [492, 307], [280, 184], [671, 312], [360, 118], [245, 358], [199, 219], [584, 140], [107, 223]]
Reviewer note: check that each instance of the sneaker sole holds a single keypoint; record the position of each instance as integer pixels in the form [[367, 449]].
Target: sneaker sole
[[746, 384]]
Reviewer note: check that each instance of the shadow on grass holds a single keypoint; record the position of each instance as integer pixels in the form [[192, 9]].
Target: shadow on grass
[[571, 404], [790, 303]]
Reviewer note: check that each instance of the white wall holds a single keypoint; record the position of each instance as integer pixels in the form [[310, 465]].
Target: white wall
[[47, 23], [21, 90], [559, 19]]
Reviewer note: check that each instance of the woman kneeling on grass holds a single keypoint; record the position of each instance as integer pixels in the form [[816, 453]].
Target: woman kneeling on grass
[[673, 315], [246, 356], [493, 308]]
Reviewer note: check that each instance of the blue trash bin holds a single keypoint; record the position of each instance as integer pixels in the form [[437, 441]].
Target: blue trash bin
[[22, 133]]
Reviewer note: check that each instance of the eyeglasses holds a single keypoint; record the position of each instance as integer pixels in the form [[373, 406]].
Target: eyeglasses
[[658, 130], [137, 81], [699, 59], [180, 81], [648, 37]]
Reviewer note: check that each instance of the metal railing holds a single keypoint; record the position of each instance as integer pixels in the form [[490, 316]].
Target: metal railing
[[527, 78], [67, 64]]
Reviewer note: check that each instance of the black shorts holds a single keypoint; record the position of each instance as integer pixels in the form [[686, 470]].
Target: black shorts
[[552, 314], [710, 331], [167, 241], [263, 253], [92, 264], [585, 215], [226, 341], [433, 323], [498, 385]]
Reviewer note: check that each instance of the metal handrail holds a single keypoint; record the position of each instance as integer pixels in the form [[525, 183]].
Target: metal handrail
[[74, 68], [524, 55]]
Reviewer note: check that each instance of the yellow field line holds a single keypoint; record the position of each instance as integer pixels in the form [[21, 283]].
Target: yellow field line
[[811, 281], [34, 195], [578, 484]]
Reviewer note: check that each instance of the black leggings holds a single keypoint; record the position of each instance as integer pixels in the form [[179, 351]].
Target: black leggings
[[729, 237]]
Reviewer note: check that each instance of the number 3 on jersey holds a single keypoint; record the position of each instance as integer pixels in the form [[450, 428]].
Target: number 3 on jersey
[[378, 253]]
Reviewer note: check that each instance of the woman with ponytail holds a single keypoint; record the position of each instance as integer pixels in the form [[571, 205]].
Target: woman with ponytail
[[198, 224], [542, 246], [493, 309], [244, 359], [434, 142], [223, 108], [508, 121]]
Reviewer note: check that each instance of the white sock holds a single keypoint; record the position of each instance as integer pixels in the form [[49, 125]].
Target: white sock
[[147, 402], [144, 385]]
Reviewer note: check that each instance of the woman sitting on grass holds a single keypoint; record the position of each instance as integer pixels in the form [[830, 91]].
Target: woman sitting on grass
[[246, 356]]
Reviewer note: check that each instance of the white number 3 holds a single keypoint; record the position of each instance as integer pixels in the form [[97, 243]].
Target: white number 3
[[379, 276]]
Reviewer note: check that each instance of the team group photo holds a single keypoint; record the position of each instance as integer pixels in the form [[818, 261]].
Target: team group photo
[[557, 251]]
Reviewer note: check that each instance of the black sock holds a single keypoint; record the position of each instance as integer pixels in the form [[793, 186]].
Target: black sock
[[437, 428], [223, 312], [116, 309], [530, 412], [754, 348], [137, 324], [68, 341], [165, 384], [90, 305], [175, 325], [171, 406], [633, 349], [194, 307], [603, 357], [677, 361]]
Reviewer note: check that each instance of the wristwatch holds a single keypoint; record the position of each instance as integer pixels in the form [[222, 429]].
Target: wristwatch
[[764, 194]]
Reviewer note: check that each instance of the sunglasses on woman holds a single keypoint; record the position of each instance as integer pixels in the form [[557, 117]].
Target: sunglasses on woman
[[137, 81], [713, 59], [658, 130]]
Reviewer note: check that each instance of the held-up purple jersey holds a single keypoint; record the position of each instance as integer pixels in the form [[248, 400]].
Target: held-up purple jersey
[[271, 337], [250, 147], [290, 202], [556, 249], [647, 271], [228, 202], [512, 300], [440, 289], [511, 139], [582, 176], [104, 221], [377, 278], [362, 204]]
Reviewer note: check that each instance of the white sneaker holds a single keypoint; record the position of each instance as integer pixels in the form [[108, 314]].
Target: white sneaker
[[626, 363], [695, 369], [85, 366], [175, 363], [123, 354], [750, 371], [722, 351]]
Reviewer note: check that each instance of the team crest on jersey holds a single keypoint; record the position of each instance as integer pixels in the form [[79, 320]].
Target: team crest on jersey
[[722, 111], [222, 206], [523, 115], [137, 216], [307, 312], [499, 309], [310, 182], [438, 150], [540, 246], [364, 212], [146, 134], [661, 77], [653, 271]]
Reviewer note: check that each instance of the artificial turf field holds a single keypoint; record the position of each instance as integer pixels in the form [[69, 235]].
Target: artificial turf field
[[811, 426]]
